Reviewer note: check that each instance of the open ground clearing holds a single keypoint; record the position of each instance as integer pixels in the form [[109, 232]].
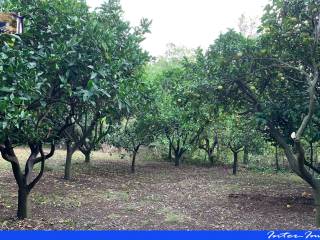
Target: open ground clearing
[[104, 195]]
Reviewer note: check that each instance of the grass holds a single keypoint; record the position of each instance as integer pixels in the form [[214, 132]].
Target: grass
[[56, 200], [172, 216], [116, 195], [57, 162]]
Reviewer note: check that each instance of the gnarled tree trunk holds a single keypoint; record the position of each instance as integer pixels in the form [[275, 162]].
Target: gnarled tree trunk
[[24, 180], [86, 151], [87, 157], [74, 143]]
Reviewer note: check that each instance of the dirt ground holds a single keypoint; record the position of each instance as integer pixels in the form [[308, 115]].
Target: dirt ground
[[104, 195]]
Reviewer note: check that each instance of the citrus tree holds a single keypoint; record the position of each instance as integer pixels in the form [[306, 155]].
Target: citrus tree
[[274, 78], [105, 59], [32, 93]]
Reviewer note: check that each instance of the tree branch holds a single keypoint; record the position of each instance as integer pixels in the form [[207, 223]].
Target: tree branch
[[312, 103], [7, 152], [36, 180], [301, 164], [49, 155]]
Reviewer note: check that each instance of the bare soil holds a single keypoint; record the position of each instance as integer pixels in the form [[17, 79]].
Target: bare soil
[[104, 195]]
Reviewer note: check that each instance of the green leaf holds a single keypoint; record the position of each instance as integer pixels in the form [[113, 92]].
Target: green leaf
[[32, 65], [93, 75], [90, 84], [7, 89]]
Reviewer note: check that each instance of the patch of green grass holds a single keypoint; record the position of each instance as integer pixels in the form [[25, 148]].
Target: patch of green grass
[[4, 165], [7, 199], [173, 217], [40, 199], [116, 195], [68, 222], [56, 200]]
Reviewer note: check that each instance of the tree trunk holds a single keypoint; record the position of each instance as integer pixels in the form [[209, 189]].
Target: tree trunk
[[245, 156], [176, 162], [170, 152], [87, 157], [277, 160], [133, 163], [177, 157], [23, 180], [317, 205], [23, 206], [311, 153], [211, 158], [235, 163], [67, 168]]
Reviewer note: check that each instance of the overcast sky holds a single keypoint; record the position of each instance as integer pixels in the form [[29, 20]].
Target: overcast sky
[[189, 23]]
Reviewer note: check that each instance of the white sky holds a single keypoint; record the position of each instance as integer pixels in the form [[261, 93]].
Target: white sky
[[189, 23]]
